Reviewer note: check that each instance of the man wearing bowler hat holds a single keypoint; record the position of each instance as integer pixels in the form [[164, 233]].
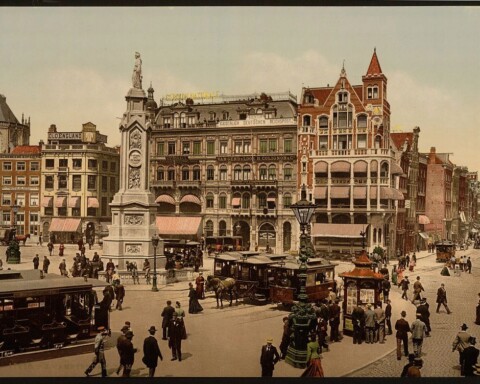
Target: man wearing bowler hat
[[151, 352], [470, 355], [460, 343], [268, 358]]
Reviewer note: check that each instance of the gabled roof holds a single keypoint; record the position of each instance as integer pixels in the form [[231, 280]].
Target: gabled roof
[[374, 67], [399, 138], [26, 149], [6, 114]]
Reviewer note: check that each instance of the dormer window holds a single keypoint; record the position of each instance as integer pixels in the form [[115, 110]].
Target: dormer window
[[308, 99], [342, 97], [212, 116]]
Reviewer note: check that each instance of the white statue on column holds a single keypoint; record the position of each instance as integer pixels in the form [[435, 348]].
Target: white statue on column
[[137, 72]]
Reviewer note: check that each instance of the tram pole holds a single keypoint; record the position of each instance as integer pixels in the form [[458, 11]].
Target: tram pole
[[155, 240], [303, 315]]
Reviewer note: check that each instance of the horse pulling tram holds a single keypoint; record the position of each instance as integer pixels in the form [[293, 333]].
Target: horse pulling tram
[[40, 311], [445, 250], [273, 278]]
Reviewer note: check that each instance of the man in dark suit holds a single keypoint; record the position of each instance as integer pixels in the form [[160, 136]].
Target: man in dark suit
[[470, 357], [167, 316], [402, 327], [176, 332], [442, 298], [422, 309], [268, 358], [151, 352]]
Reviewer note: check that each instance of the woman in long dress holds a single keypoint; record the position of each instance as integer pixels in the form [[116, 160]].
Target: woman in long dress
[[193, 304], [314, 363]]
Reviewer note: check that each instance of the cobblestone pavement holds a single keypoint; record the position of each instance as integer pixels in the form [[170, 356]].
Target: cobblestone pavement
[[462, 295]]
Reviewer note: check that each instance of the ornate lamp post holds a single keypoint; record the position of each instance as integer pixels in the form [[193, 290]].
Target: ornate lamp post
[[13, 250], [155, 240], [362, 233], [302, 313]]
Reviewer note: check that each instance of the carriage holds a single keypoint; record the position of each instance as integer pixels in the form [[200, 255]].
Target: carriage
[[445, 250], [39, 311], [263, 278], [285, 286], [223, 243]]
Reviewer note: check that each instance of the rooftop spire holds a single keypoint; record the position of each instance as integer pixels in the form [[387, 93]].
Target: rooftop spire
[[374, 67], [343, 73]]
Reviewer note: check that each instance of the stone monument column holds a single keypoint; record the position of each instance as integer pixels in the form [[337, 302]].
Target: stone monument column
[[133, 207]]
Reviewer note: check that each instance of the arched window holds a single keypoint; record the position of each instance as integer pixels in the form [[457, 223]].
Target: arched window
[[171, 173], [378, 141], [379, 235], [323, 122], [287, 200], [384, 170], [263, 172], [183, 120], [185, 173], [196, 172], [307, 120], [266, 235], [342, 116], [362, 121], [246, 200], [222, 228], [374, 235], [272, 172], [259, 111], [210, 172], [287, 172], [262, 200], [222, 201], [246, 172], [160, 174], [237, 173], [176, 120], [223, 172], [209, 200], [209, 228]]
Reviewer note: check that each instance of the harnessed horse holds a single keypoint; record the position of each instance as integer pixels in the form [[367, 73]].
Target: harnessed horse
[[222, 286]]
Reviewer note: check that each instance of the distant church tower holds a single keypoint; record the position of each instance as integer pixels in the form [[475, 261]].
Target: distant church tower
[[133, 206]]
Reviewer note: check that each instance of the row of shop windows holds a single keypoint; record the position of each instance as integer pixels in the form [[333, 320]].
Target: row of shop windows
[[76, 181], [244, 201], [77, 164]]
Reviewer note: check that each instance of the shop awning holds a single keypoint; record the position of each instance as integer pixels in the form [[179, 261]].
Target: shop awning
[[190, 199], [165, 199], [424, 235], [178, 225], [64, 225], [92, 202], [320, 167], [74, 202], [236, 202], [340, 166], [60, 202], [272, 199], [374, 166], [360, 167], [360, 192], [320, 193], [340, 192], [396, 169], [387, 193], [397, 195], [422, 219], [351, 231], [373, 192], [47, 201]]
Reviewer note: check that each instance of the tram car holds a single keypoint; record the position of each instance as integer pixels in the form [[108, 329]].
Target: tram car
[[445, 250], [285, 287], [41, 311], [252, 271]]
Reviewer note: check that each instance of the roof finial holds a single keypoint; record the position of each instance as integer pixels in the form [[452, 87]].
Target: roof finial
[[374, 49], [343, 73]]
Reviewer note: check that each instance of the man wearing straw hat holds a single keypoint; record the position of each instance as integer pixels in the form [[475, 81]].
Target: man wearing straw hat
[[268, 358], [151, 352]]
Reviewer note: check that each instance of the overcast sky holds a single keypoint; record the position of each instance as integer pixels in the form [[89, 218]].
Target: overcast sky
[[68, 66]]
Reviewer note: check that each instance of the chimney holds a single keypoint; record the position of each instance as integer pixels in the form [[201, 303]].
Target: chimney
[[52, 129], [432, 155]]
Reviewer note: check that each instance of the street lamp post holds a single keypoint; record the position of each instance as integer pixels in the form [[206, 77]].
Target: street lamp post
[[13, 250], [155, 240], [303, 314], [362, 233]]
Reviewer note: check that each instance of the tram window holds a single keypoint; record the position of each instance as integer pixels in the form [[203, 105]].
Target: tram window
[[67, 302], [320, 278], [244, 273], [6, 305]]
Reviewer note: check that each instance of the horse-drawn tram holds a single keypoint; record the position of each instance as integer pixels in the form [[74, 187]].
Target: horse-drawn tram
[[445, 249], [286, 284], [39, 311]]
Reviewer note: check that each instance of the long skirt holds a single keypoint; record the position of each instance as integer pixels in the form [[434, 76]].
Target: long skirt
[[314, 369], [194, 306]]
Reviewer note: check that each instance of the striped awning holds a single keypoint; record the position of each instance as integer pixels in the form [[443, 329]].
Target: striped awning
[[190, 199], [74, 202], [165, 199], [397, 194], [47, 201], [178, 225], [64, 225], [351, 231], [60, 202], [320, 167], [386, 193], [360, 192], [342, 192], [396, 169], [360, 167], [340, 166], [320, 193], [92, 202], [422, 219]]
